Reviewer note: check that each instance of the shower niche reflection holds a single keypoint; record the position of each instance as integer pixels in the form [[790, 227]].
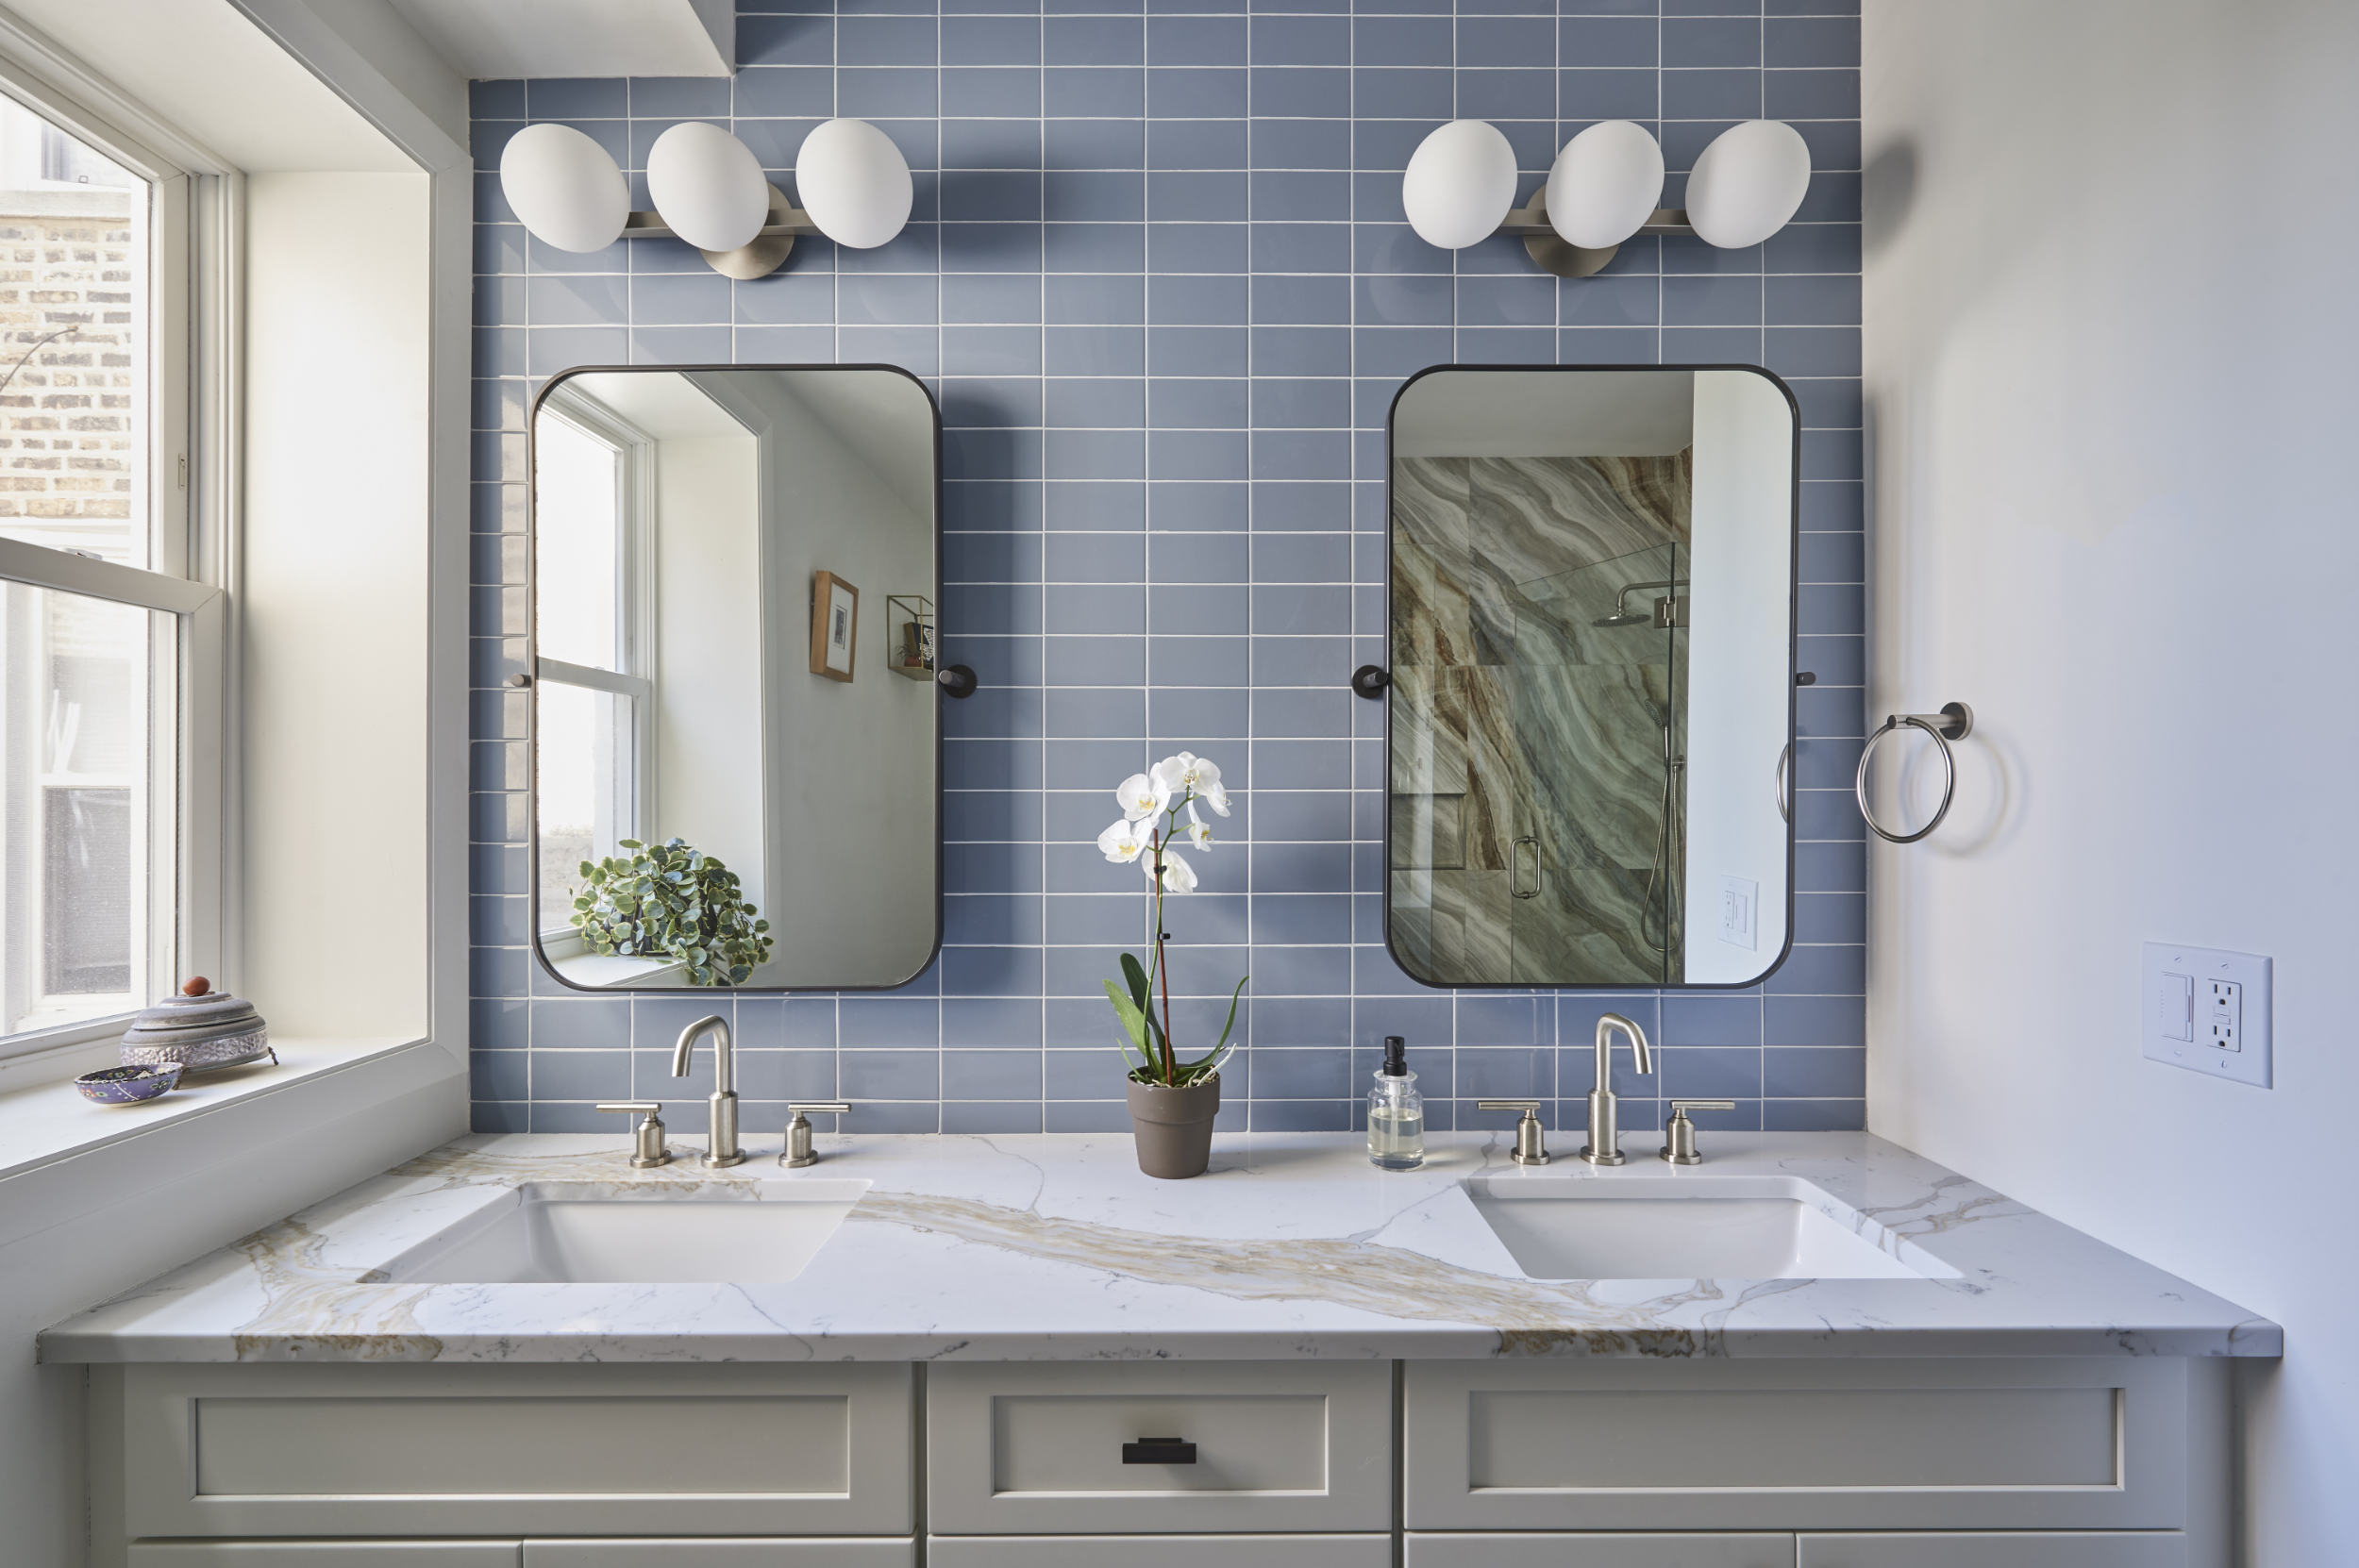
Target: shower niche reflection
[[1592, 674]]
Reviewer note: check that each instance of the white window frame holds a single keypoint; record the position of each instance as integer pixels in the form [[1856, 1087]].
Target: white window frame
[[636, 636], [190, 487]]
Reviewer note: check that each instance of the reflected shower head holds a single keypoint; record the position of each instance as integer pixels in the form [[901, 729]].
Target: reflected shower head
[[1667, 612]]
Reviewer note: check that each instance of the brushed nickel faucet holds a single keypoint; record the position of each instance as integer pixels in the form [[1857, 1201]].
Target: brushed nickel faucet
[[720, 1145], [1605, 1144]]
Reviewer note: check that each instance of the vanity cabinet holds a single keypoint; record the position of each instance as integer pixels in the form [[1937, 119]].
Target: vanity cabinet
[[1967, 1463], [1060, 1449], [2062, 1443], [742, 1449]]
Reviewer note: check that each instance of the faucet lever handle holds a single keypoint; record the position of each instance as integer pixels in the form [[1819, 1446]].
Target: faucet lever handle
[[647, 1150], [1530, 1143], [799, 1152], [1679, 1133]]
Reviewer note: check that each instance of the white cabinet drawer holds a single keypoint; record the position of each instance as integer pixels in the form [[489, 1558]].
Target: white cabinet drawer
[[1277, 1445], [720, 1554], [734, 1450], [2074, 1443], [1998, 1549], [324, 1554], [1159, 1551], [1655, 1549]]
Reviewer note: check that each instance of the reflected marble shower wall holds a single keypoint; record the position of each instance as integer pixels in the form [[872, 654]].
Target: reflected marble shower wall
[[1522, 728]]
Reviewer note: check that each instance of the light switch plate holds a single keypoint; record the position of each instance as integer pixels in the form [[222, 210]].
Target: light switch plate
[[2206, 1009]]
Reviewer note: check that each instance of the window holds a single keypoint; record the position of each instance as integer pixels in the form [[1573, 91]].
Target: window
[[594, 717], [103, 632]]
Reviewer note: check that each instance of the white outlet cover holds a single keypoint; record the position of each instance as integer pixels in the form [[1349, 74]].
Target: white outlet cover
[[1740, 911], [2175, 1011]]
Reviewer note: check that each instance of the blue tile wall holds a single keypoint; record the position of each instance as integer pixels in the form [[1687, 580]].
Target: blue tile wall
[[1158, 277]]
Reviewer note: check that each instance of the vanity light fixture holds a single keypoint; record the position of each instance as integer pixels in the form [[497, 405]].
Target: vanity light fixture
[[708, 190], [1604, 188]]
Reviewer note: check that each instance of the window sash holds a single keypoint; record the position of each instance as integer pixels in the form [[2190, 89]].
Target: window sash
[[188, 505]]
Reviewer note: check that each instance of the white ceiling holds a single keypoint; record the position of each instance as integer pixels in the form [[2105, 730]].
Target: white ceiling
[[202, 66], [494, 40], [1546, 413]]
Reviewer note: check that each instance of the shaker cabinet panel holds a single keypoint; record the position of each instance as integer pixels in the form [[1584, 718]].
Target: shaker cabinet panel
[[720, 1554], [1159, 1551], [1072, 1449], [1653, 1549], [734, 1450], [1878, 1445], [324, 1554], [1998, 1549]]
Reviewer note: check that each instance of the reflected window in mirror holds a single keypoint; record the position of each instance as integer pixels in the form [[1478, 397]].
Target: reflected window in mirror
[[594, 666]]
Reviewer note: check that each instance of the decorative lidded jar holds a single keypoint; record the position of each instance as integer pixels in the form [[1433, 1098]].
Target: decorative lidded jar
[[199, 1029]]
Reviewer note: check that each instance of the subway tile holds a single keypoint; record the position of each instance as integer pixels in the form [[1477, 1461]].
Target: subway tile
[[1148, 195]]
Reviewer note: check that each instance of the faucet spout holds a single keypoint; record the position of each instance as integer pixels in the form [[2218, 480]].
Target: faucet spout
[[1604, 1145], [722, 1149]]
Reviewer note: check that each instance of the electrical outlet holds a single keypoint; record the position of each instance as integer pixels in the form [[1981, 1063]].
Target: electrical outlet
[[1740, 906], [2208, 1010]]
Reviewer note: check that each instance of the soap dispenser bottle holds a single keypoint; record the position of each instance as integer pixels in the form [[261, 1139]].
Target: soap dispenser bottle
[[1395, 1113]]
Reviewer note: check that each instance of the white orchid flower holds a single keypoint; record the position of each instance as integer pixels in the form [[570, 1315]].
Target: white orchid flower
[[1142, 795], [1124, 841], [1178, 877], [1198, 833], [1214, 796], [1187, 773]]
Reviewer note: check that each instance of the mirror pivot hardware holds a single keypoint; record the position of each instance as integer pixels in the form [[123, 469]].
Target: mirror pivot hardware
[[647, 1150], [1680, 1132], [1529, 1149], [798, 1152], [955, 680], [1370, 681], [1159, 1451]]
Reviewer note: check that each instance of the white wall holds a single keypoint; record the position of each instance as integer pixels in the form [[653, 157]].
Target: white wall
[[334, 590], [852, 833], [2111, 304], [708, 651], [1741, 576]]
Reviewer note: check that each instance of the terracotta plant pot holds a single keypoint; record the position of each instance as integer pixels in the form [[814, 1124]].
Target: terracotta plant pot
[[1174, 1126]]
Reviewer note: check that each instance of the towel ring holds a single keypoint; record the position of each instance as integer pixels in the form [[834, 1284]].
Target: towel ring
[[1955, 722]]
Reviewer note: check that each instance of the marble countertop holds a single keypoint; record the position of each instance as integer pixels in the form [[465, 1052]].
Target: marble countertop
[[1056, 1249]]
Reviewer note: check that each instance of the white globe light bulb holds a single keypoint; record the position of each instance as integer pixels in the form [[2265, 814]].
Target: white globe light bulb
[[1459, 184], [707, 185], [1606, 182], [854, 183], [565, 188], [1748, 183]]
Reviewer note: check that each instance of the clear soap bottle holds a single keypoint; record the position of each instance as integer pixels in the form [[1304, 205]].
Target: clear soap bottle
[[1395, 1113]]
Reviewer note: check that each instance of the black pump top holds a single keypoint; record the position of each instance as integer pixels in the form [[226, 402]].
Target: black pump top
[[1395, 1057]]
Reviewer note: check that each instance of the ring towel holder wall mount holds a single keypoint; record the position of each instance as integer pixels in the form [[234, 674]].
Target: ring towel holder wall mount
[[1955, 722]]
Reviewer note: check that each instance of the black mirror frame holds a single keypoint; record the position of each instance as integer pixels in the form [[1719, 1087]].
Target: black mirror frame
[[532, 737], [1380, 678]]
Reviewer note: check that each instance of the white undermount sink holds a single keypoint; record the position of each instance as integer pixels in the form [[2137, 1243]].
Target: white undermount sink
[[1690, 1228], [758, 1232]]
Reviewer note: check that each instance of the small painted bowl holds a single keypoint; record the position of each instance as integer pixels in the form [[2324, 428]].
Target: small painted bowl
[[129, 1085]]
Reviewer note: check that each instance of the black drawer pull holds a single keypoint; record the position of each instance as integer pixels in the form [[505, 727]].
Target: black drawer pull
[[1159, 1451]]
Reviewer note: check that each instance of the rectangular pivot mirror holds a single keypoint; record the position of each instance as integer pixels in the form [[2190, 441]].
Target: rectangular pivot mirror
[[1592, 625], [736, 744]]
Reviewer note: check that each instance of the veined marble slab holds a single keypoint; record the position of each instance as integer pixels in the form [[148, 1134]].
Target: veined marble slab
[[1056, 1249]]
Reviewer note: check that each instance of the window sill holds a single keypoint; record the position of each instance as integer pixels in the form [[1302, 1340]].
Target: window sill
[[597, 971], [47, 1122]]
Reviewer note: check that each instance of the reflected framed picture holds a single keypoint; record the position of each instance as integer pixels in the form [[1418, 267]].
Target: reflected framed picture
[[834, 626]]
